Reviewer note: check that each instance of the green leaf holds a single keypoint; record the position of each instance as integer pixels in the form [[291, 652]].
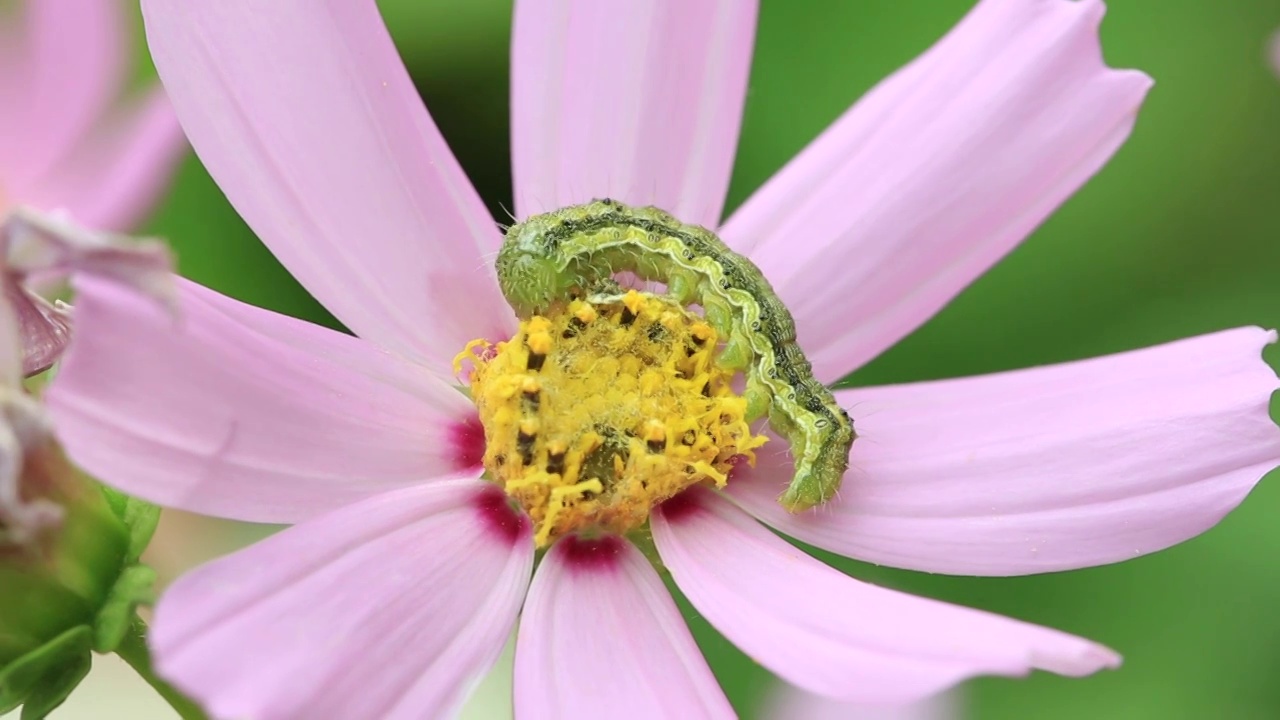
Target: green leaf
[[46, 674], [131, 589], [140, 516], [55, 686]]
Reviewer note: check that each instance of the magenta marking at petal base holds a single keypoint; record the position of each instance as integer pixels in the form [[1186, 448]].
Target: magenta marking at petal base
[[682, 506], [500, 518], [467, 438], [591, 554]]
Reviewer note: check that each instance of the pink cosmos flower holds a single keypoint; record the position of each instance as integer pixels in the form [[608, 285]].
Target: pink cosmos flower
[[67, 142], [405, 572]]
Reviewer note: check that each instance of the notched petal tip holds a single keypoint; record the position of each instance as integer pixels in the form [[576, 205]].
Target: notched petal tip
[[1046, 469], [1087, 659], [836, 636], [937, 173], [1079, 22], [1270, 334]]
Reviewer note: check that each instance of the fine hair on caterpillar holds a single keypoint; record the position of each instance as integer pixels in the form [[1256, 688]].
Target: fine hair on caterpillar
[[576, 250]]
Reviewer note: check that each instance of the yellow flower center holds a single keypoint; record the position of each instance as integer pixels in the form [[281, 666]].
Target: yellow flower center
[[604, 408]]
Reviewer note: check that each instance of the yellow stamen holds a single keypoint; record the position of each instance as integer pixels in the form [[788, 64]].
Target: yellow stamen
[[601, 410]]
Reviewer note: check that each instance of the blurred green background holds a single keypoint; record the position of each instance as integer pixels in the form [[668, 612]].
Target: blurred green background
[[1177, 236]]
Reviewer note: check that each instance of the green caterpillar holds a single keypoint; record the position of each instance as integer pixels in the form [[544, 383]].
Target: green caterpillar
[[550, 257]]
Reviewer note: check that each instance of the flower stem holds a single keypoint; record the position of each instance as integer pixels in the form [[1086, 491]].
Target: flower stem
[[135, 652]]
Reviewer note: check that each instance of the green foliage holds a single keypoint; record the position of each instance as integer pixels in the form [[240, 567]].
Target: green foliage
[[54, 616], [42, 678], [140, 516]]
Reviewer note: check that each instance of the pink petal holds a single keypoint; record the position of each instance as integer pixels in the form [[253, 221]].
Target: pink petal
[[389, 608], [46, 328], [68, 64], [636, 101], [114, 176], [601, 637], [830, 634], [50, 247], [234, 411], [1053, 468], [305, 116], [1273, 52], [788, 702], [12, 346], [936, 174]]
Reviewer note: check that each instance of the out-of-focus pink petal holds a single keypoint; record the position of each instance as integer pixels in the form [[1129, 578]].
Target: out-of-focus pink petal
[[636, 101], [936, 174], [833, 635], [114, 175], [597, 606], [1273, 52], [389, 608], [234, 411], [46, 328], [305, 116], [65, 61], [38, 245], [12, 352], [47, 247], [1052, 468], [68, 65], [788, 702]]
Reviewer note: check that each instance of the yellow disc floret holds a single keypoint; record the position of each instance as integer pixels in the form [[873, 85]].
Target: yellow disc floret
[[604, 408]]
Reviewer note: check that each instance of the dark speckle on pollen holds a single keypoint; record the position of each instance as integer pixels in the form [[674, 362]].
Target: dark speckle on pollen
[[627, 318]]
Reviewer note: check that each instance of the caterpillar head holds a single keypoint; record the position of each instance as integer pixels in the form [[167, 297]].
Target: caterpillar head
[[530, 273]]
